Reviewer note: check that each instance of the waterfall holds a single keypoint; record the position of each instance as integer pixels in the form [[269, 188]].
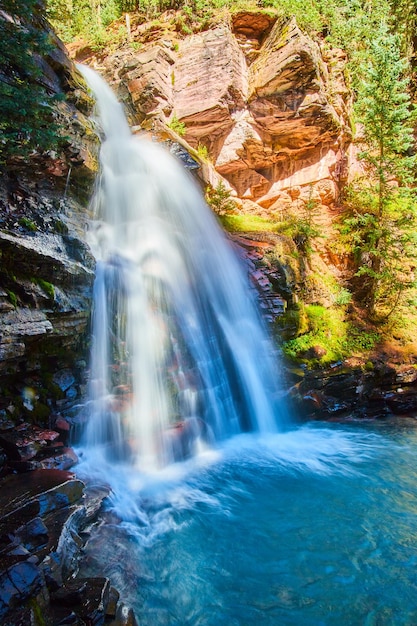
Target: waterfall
[[179, 356]]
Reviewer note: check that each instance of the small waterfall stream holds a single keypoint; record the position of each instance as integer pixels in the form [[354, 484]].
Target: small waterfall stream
[[179, 358]]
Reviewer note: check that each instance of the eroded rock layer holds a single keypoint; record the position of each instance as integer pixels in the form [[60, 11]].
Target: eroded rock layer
[[267, 102], [47, 269]]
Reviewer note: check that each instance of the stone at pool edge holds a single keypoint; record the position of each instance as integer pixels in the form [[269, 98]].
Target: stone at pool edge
[[37, 508], [52, 489]]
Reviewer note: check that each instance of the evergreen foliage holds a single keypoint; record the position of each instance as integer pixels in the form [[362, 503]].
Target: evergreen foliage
[[26, 121], [384, 219], [220, 200]]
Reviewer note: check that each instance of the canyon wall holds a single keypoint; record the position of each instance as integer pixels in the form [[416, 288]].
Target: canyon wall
[[268, 103]]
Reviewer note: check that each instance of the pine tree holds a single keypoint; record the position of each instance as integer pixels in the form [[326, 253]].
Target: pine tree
[[384, 223], [26, 121]]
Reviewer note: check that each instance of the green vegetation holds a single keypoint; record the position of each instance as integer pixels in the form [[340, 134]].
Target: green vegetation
[[220, 200], [325, 335], [47, 287], [202, 152], [28, 224], [246, 223], [302, 228], [26, 106], [12, 297], [177, 126], [383, 217]]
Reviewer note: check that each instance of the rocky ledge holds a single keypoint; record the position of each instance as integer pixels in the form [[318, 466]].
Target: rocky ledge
[[352, 391], [44, 521]]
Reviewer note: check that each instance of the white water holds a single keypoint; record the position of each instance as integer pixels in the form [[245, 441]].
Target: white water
[[179, 356]]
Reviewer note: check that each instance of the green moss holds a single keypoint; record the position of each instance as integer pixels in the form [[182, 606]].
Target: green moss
[[12, 297], [60, 227], [136, 45], [28, 224], [246, 223], [40, 413], [327, 332], [48, 288], [37, 613]]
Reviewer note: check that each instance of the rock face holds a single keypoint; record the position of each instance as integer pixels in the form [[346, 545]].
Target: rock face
[[47, 269], [210, 86], [268, 103], [349, 391]]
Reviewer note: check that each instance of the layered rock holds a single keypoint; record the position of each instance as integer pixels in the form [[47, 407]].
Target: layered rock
[[47, 269], [267, 101], [290, 135], [43, 516], [349, 390], [210, 86]]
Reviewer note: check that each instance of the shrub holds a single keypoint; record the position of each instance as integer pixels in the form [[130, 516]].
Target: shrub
[[219, 199], [177, 126]]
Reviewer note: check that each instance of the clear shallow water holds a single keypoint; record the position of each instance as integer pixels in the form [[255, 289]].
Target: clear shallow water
[[317, 526]]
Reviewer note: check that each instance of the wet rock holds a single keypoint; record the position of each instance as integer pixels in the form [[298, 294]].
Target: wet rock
[[18, 582], [124, 617], [42, 490], [402, 403], [88, 598], [60, 556], [62, 461], [64, 379], [406, 375], [18, 447], [41, 520], [363, 394], [32, 535], [27, 445], [114, 598], [65, 616], [93, 498], [70, 594]]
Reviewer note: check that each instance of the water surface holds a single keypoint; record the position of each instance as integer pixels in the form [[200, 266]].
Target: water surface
[[317, 526]]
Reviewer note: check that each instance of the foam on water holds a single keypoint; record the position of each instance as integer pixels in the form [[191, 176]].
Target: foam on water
[[309, 450]]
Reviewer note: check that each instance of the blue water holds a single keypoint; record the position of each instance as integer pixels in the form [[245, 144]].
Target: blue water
[[313, 527]]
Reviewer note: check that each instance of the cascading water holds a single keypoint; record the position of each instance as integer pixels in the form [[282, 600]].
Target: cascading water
[[179, 354]]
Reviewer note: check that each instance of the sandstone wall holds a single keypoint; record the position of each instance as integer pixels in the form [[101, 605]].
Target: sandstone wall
[[269, 103]]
